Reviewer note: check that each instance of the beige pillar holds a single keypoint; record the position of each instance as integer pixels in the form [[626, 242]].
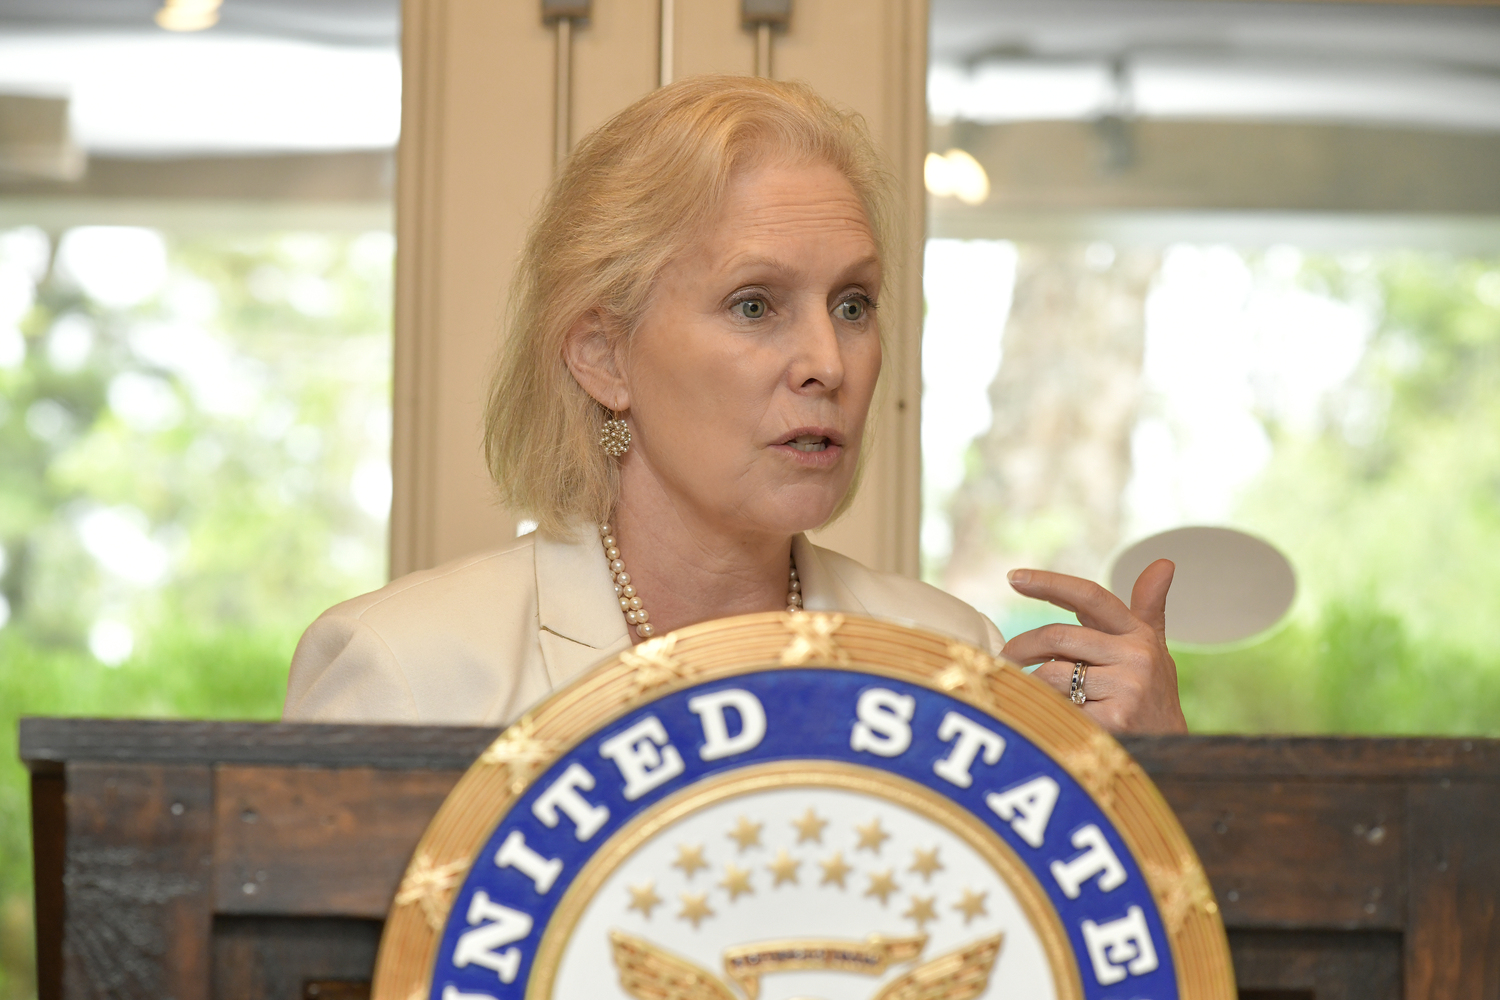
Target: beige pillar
[[476, 155]]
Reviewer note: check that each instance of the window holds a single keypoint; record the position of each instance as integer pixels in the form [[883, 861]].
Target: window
[[1232, 265]]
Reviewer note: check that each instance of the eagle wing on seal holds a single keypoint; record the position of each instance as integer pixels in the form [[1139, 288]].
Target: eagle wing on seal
[[961, 974], [651, 973]]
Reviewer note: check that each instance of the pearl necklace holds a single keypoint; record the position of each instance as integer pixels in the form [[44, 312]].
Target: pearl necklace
[[630, 601]]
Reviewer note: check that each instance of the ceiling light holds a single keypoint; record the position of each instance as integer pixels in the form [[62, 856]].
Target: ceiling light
[[956, 174], [188, 15]]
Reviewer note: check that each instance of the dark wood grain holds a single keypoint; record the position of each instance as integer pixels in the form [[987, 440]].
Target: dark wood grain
[[49, 831], [1344, 867], [1298, 854], [1317, 965], [1272, 758], [278, 958], [47, 743], [1453, 946], [138, 882], [282, 836]]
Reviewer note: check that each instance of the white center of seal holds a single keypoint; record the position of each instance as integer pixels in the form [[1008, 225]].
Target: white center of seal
[[809, 893]]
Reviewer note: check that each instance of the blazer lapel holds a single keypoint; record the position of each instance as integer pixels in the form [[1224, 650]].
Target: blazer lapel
[[577, 613], [822, 589]]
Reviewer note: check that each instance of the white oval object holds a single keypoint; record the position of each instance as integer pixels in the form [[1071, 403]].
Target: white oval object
[[1229, 585]]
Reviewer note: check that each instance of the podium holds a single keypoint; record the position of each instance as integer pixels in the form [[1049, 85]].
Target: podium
[[241, 861]]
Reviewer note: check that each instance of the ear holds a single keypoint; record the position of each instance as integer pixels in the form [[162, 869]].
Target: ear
[[590, 350]]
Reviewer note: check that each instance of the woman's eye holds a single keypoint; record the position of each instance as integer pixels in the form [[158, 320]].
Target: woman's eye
[[852, 310], [751, 308]]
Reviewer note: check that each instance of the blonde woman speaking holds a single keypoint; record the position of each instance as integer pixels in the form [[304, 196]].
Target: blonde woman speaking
[[683, 392]]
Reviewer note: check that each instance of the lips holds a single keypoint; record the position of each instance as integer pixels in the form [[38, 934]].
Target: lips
[[809, 442], [812, 447]]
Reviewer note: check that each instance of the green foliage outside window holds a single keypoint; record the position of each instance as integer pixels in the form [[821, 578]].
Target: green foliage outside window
[[194, 445], [1392, 513]]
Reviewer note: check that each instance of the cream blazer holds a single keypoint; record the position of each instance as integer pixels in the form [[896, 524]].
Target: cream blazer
[[479, 640]]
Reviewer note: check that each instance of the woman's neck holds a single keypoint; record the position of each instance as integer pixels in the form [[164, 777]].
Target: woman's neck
[[687, 571]]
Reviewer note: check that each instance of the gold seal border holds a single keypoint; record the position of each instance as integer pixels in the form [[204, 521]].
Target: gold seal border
[[753, 643], [871, 781]]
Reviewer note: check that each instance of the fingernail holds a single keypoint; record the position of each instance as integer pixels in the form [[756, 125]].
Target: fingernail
[[1019, 577]]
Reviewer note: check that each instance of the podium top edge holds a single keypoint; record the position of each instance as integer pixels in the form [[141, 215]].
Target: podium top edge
[[48, 744]]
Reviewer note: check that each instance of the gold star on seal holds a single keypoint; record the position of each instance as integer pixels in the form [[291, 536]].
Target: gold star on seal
[[1180, 889], [737, 882], [519, 752], [689, 859], [810, 827], [695, 908], [746, 834], [882, 884], [972, 905], [871, 836], [430, 886], [926, 863], [644, 898], [652, 663], [784, 868], [922, 911], [812, 639], [834, 870], [969, 671], [1099, 763]]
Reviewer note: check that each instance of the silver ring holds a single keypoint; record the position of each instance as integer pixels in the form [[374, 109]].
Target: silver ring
[[1075, 690]]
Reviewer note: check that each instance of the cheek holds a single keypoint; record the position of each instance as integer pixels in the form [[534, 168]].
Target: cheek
[[701, 380], [863, 370]]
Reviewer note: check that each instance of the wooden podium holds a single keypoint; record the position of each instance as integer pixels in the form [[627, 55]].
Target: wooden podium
[[240, 861]]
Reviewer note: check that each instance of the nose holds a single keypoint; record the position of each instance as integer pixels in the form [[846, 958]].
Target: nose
[[817, 364]]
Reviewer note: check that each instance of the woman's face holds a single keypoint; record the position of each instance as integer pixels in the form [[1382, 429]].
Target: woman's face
[[751, 372]]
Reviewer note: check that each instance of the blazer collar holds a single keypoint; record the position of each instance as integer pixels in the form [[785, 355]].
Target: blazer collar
[[576, 603]]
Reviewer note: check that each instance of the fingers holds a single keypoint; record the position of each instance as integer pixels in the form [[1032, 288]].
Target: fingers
[[1095, 607], [1062, 642], [1148, 598]]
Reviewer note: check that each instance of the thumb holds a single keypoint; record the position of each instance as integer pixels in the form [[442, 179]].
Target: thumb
[[1148, 598]]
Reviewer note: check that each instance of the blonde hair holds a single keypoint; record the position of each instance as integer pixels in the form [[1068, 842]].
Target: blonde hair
[[632, 196]]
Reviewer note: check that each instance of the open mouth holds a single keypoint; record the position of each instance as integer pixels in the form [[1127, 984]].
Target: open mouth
[[809, 442]]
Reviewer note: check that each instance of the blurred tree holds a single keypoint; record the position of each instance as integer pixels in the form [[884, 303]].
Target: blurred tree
[[194, 433]]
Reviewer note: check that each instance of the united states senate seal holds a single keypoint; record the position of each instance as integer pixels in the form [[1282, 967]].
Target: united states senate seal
[[804, 807]]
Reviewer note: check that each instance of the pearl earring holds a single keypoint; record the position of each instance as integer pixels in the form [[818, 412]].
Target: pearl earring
[[614, 436]]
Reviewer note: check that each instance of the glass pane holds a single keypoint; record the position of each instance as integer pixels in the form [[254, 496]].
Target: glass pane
[[1238, 265], [195, 360]]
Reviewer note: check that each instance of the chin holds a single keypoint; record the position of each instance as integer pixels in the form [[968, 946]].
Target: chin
[[803, 508]]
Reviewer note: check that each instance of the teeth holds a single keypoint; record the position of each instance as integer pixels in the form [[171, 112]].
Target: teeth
[[809, 442]]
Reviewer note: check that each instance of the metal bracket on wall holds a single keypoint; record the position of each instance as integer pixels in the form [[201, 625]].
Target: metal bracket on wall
[[564, 15], [763, 17]]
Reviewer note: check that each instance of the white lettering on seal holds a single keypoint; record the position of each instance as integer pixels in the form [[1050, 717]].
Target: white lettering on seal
[[1027, 807], [972, 738], [717, 742], [515, 854], [884, 722], [1098, 858], [494, 926], [563, 795], [1124, 942], [642, 765]]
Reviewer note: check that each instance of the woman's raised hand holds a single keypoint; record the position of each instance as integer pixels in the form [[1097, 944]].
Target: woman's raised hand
[[1131, 682]]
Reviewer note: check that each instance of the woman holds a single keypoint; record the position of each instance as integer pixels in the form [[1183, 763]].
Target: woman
[[683, 392]]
